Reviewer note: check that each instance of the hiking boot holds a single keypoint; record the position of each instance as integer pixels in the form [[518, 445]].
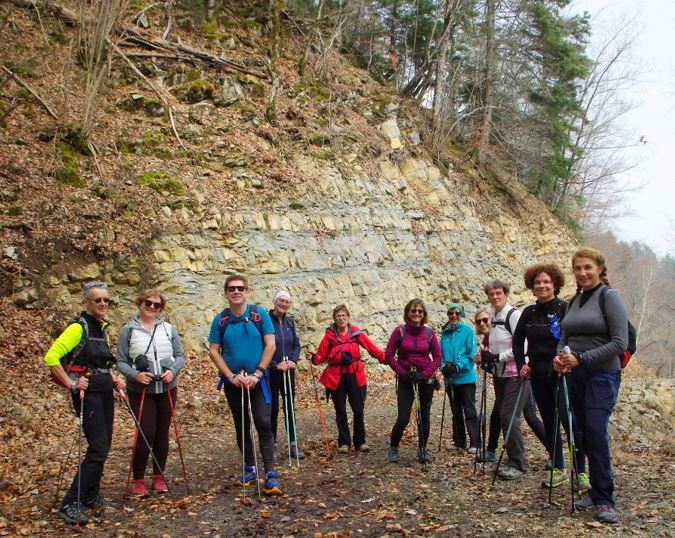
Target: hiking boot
[[158, 484], [73, 513], [343, 449], [472, 450], [582, 484], [423, 456], [583, 504], [363, 448], [139, 489], [489, 457], [272, 486], [296, 452], [392, 455], [510, 473], [250, 474], [548, 464], [607, 514], [98, 503], [557, 479]]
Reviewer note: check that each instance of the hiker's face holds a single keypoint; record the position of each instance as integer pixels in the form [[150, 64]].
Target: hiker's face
[[586, 273], [281, 306], [341, 320], [97, 302], [454, 316], [497, 298], [236, 292], [482, 322], [543, 288], [151, 307]]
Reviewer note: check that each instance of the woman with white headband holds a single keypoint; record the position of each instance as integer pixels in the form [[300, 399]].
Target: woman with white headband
[[284, 360]]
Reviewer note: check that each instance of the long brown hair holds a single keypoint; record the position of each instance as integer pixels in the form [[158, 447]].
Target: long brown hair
[[408, 307], [599, 259]]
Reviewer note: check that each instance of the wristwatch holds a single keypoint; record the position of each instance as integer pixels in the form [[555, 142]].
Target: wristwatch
[[261, 370], [255, 374], [579, 356], [73, 385]]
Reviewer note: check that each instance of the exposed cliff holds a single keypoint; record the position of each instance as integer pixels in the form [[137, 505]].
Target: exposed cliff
[[337, 200]]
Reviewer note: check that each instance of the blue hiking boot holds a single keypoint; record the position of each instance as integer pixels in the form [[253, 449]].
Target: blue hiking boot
[[272, 486], [249, 476]]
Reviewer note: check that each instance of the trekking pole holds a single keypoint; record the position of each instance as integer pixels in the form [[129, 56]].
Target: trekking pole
[[133, 448], [255, 448], [62, 468], [420, 422], [286, 412], [124, 398], [574, 475], [554, 442], [291, 401], [180, 447], [243, 447], [440, 437], [508, 430], [322, 419], [79, 452]]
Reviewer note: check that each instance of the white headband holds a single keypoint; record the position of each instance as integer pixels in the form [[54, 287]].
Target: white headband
[[281, 293]]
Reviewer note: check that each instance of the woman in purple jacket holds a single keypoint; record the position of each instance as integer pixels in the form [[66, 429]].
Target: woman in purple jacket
[[414, 354]]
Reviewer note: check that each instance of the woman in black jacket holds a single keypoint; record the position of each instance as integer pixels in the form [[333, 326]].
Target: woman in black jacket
[[540, 325]]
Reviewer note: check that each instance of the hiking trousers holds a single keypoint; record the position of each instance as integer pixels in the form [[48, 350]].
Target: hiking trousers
[[97, 425], [463, 405], [348, 389], [405, 398], [261, 420], [155, 423], [277, 387]]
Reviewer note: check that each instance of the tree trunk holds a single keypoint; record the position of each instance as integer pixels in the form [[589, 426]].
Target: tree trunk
[[276, 6], [488, 82]]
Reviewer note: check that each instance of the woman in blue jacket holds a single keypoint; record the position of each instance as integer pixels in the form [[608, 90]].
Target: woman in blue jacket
[[285, 359], [458, 345]]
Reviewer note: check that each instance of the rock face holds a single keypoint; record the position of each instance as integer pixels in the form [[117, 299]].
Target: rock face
[[372, 241]]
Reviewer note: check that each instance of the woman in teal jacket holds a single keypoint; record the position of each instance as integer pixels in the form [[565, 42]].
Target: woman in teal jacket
[[458, 345]]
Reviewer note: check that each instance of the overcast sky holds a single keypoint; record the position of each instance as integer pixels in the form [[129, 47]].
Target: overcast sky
[[653, 117]]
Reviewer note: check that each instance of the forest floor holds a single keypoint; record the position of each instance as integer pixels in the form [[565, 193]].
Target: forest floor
[[359, 494]]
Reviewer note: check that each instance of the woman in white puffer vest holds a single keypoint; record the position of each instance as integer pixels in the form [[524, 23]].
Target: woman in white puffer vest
[[150, 356]]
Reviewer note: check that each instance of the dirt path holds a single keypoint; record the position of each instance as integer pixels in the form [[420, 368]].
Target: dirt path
[[361, 494]]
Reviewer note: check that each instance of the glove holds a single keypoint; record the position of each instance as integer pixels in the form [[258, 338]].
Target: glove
[[416, 377], [488, 358], [449, 369], [346, 358]]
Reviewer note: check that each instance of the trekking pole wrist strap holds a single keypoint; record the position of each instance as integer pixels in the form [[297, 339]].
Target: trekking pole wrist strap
[[73, 385]]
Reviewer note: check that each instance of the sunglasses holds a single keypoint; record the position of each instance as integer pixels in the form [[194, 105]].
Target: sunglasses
[[236, 288], [482, 321], [416, 311], [453, 313], [152, 304], [99, 300]]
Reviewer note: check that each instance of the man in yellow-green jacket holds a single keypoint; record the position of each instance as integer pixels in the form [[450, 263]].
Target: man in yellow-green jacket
[[80, 359]]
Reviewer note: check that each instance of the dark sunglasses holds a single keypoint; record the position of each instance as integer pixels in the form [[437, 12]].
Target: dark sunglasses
[[236, 288], [100, 300], [416, 311], [482, 321], [152, 304], [454, 313]]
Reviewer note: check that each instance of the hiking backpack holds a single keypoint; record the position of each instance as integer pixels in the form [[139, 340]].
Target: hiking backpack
[[631, 346], [225, 320], [506, 324]]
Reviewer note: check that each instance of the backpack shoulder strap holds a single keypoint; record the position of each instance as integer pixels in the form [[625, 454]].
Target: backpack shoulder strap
[[256, 319], [601, 301], [507, 325], [70, 358], [224, 320], [429, 332], [399, 337]]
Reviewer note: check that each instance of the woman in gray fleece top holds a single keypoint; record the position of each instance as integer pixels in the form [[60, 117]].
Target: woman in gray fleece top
[[592, 341]]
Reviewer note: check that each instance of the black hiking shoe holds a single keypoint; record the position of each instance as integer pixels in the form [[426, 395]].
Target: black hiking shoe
[[98, 503], [73, 514], [392, 455]]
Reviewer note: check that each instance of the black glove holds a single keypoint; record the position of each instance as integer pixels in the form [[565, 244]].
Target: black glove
[[416, 377], [449, 369], [346, 358], [488, 358]]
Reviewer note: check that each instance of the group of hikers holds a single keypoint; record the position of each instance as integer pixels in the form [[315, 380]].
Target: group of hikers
[[565, 357]]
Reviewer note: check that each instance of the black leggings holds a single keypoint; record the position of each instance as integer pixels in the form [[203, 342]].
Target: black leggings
[[261, 419], [349, 389], [463, 404], [405, 398], [155, 423], [277, 387]]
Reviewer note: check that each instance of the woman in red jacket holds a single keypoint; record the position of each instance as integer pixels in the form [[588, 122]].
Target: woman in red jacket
[[345, 375]]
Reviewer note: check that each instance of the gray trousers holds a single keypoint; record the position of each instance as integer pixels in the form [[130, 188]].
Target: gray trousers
[[515, 447]]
